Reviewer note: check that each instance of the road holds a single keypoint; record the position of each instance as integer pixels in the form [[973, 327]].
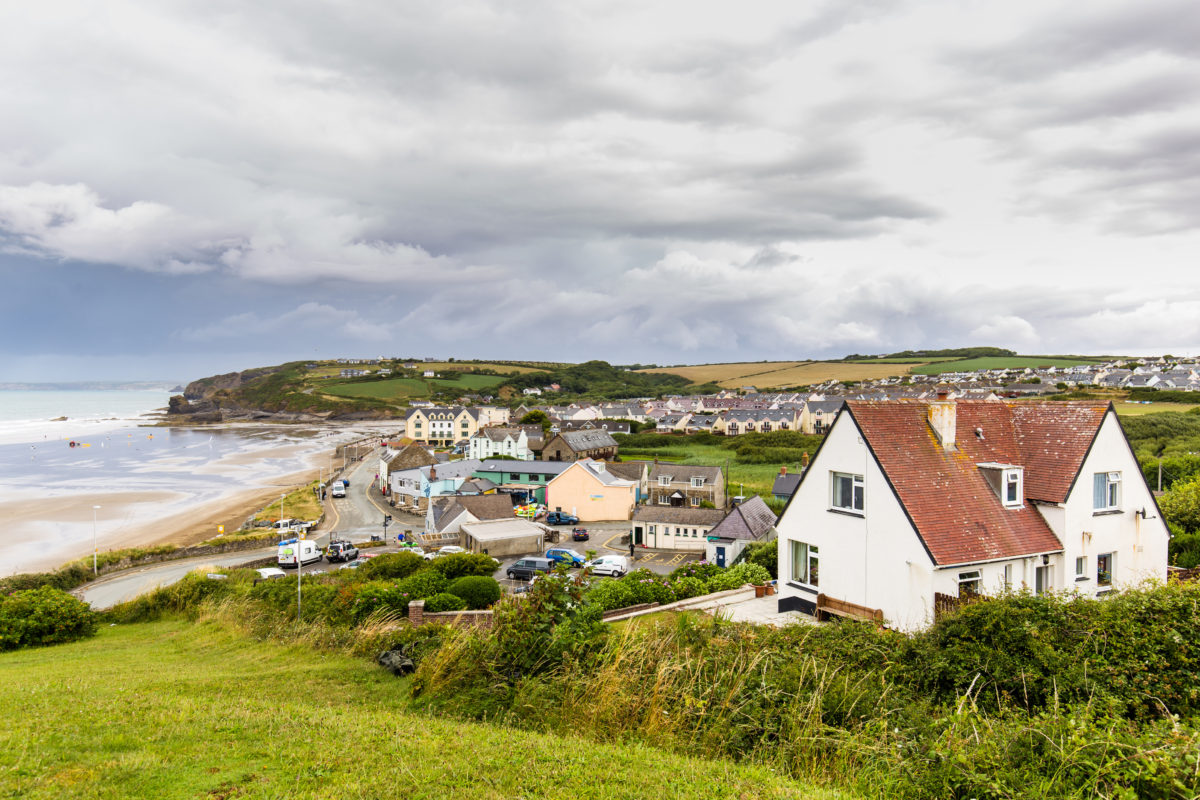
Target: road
[[356, 517]]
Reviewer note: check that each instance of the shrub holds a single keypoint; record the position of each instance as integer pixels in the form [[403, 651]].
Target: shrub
[[458, 565], [43, 616], [611, 594], [423, 584], [737, 576], [696, 569], [444, 601], [765, 554], [478, 591], [1181, 505], [375, 596], [391, 566], [689, 587], [648, 587]]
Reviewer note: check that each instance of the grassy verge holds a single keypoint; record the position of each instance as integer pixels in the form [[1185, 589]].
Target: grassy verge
[[301, 503], [173, 709]]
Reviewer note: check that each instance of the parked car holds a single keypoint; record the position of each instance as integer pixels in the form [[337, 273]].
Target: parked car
[[270, 573], [351, 565], [524, 569], [340, 550], [580, 535], [449, 549], [337, 490], [559, 518], [567, 556], [615, 566]]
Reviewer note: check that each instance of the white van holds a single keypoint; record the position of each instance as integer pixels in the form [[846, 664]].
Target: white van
[[615, 566], [337, 490], [295, 552]]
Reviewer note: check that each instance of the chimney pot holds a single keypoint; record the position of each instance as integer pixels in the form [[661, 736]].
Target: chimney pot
[[783, 470]]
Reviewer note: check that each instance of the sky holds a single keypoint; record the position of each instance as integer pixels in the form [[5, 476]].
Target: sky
[[188, 188]]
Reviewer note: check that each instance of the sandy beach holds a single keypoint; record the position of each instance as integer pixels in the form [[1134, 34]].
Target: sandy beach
[[153, 487]]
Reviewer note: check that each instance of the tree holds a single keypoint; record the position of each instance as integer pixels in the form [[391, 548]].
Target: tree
[[537, 417], [1181, 505]]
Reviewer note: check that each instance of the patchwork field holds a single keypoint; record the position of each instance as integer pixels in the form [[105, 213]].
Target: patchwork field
[[1127, 409], [778, 374], [1000, 362]]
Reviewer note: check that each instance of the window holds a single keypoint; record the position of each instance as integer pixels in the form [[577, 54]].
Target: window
[[697, 483], [1106, 491], [1008, 576], [695, 533], [1012, 487], [969, 583], [677, 532], [695, 502], [1081, 568], [848, 492], [1104, 568], [805, 563], [663, 500], [664, 480]]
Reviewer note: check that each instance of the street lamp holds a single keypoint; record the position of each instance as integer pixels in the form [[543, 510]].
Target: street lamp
[[95, 547], [281, 517]]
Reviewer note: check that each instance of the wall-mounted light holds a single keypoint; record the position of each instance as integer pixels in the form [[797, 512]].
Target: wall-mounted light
[[1045, 560], [1140, 513]]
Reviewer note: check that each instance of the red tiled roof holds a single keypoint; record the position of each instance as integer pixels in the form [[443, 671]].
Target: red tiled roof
[[957, 514]]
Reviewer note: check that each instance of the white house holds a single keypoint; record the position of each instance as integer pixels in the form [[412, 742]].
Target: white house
[[907, 500], [492, 442]]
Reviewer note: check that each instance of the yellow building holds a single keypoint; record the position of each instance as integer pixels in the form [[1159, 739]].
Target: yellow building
[[441, 425], [589, 491]]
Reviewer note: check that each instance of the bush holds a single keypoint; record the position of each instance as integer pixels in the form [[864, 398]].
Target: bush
[[43, 616], [444, 601], [689, 587], [611, 594], [458, 565], [696, 569], [765, 555], [478, 591], [738, 576], [424, 584], [1181, 505], [376, 596], [391, 566]]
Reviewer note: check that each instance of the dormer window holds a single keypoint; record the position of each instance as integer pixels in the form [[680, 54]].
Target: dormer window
[[1007, 481], [1012, 488]]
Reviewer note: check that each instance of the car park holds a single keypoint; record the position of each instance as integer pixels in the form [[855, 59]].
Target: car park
[[615, 566], [524, 569], [565, 555], [560, 518]]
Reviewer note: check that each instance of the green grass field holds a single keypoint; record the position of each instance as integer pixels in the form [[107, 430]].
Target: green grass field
[[1141, 409], [397, 389], [1000, 362], [753, 478], [182, 710]]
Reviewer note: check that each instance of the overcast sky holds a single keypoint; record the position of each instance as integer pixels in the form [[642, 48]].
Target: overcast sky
[[196, 187]]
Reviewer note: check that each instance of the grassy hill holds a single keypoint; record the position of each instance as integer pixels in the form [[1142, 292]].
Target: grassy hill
[[176, 709], [779, 374], [1002, 362]]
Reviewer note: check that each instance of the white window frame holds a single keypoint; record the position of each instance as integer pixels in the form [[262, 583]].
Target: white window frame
[[695, 502], [1081, 568], [973, 579], [858, 493], [1013, 479], [808, 556], [697, 482], [664, 480], [1106, 491]]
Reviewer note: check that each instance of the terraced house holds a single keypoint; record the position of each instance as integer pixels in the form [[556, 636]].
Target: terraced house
[[439, 425], [683, 485], [738, 421]]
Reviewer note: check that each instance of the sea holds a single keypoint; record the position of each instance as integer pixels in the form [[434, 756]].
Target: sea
[[63, 452]]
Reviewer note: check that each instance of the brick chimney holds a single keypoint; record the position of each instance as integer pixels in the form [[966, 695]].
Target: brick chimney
[[942, 418], [782, 471]]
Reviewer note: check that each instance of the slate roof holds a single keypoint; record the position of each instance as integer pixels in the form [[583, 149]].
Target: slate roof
[[749, 520], [956, 514], [587, 440], [629, 470], [785, 485], [678, 515], [685, 472], [409, 457]]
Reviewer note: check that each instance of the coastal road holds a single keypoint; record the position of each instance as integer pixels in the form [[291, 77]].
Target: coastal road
[[356, 511], [127, 585]]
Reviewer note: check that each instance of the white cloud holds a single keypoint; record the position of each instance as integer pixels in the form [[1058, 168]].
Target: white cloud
[[767, 180]]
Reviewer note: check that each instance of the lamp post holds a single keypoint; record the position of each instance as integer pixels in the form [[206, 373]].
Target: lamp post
[[95, 547], [281, 517]]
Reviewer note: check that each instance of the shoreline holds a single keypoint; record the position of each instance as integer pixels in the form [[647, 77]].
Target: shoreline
[[53, 528]]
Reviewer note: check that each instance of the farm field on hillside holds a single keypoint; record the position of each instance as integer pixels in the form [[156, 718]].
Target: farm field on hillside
[[402, 388], [1000, 362], [391, 389], [1141, 409], [186, 710], [778, 374]]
